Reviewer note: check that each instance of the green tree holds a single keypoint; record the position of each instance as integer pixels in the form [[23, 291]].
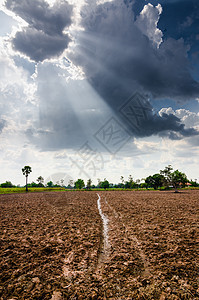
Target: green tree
[[178, 179], [130, 183], [194, 182], [79, 184], [49, 184], [40, 181], [7, 184], [99, 182], [26, 171], [143, 185], [32, 184], [155, 181], [138, 183], [167, 175], [88, 186], [105, 184]]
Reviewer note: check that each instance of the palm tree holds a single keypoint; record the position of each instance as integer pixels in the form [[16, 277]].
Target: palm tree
[[26, 171]]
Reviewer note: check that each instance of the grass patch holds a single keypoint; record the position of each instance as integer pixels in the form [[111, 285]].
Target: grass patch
[[59, 189], [30, 190]]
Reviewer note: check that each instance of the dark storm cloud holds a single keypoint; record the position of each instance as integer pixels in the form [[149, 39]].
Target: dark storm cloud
[[44, 37], [165, 72], [118, 59], [38, 45], [166, 125], [138, 113]]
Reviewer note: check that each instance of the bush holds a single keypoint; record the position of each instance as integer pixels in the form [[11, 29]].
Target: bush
[[7, 184]]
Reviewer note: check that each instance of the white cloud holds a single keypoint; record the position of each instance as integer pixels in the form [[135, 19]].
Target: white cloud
[[190, 119], [147, 22]]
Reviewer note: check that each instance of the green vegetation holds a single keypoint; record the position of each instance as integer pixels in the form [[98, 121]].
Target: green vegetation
[[88, 186], [50, 184], [165, 179], [155, 181], [7, 184], [104, 184], [30, 190], [79, 184], [178, 179]]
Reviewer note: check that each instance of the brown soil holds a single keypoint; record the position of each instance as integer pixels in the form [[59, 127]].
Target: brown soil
[[51, 245]]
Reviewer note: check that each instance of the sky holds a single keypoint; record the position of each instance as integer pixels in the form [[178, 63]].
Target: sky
[[98, 89]]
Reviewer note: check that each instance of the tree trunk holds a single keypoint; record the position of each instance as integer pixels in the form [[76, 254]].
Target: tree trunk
[[176, 189], [26, 183]]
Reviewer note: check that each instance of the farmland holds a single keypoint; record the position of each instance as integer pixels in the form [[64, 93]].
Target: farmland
[[53, 246]]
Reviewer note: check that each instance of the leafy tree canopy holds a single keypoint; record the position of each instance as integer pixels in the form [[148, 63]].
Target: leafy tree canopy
[[50, 184], [89, 182], [155, 181], [7, 184], [79, 184], [104, 184], [178, 179], [26, 170]]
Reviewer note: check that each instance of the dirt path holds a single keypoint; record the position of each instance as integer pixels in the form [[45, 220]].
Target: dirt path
[[105, 245]]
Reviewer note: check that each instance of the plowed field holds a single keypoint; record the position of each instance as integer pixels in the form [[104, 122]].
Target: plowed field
[[53, 245]]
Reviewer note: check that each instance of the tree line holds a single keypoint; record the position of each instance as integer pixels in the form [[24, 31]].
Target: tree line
[[165, 179]]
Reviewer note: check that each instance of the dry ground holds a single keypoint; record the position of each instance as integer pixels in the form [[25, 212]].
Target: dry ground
[[51, 246]]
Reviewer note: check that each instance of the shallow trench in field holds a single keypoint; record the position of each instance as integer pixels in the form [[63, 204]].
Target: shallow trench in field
[[106, 246]]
